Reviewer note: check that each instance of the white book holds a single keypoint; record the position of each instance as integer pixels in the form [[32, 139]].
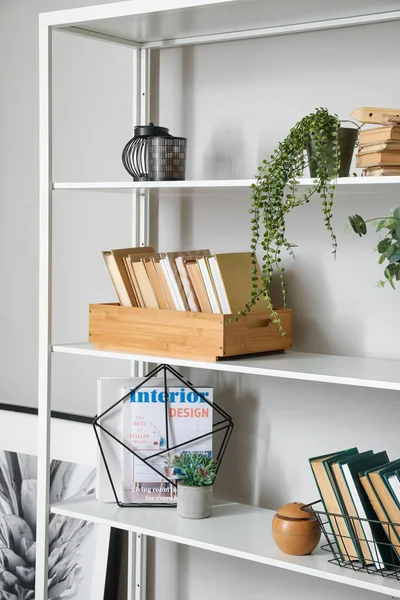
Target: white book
[[219, 284], [187, 284], [169, 275], [215, 306], [368, 535], [395, 485]]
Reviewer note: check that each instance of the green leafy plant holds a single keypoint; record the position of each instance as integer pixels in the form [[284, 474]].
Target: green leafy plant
[[195, 468], [275, 195], [168, 459], [388, 247]]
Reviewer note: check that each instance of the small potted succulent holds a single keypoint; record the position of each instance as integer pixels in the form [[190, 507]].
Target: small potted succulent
[[168, 465], [196, 472]]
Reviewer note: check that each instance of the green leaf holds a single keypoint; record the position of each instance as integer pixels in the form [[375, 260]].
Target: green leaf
[[395, 256], [382, 259], [396, 213], [381, 225], [358, 224], [384, 245], [390, 251]]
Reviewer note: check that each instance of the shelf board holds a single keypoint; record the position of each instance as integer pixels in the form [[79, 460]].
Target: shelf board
[[323, 368], [233, 529], [366, 184], [130, 186], [163, 23]]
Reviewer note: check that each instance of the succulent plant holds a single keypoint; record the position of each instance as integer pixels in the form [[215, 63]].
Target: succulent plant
[[195, 468], [18, 484]]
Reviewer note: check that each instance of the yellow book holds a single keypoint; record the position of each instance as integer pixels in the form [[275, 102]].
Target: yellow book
[[378, 508], [387, 501], [232, 273], [146, 289], [330, 497]]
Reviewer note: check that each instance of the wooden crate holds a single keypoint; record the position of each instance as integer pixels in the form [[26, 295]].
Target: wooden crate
[[189, 335]]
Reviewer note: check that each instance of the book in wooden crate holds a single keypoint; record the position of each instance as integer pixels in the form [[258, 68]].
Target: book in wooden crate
[[185, 334]]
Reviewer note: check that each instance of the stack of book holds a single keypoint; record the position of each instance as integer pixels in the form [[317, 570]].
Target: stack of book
[[379, 151], [192, 280], [366, 486]]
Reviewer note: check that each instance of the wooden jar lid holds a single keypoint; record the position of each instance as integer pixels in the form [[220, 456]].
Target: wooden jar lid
[[293, 510]]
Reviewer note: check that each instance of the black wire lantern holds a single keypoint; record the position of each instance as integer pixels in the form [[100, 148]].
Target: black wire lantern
[[153, 154]]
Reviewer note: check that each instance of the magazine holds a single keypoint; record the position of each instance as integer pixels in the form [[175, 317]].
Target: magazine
[[151, 431]]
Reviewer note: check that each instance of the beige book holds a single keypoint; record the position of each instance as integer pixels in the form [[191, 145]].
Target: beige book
[[164, 283], [329, 496], [196, 278], [178, 292], [351, 511], [114, 260], [155, 282], [190, 294], [378, 508], [378, 135], [381, 171], [388, 503], [366, 149], [134, 281], [232, 273], [376, 159], [146, 289]]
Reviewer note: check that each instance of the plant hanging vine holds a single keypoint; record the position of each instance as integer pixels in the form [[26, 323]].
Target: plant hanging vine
[[274, 196]]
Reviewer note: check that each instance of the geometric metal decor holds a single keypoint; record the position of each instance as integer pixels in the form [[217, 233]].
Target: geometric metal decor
[[223, 423]]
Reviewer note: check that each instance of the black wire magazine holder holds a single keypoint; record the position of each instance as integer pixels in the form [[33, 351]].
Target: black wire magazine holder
[[224, 424], [386, 568]]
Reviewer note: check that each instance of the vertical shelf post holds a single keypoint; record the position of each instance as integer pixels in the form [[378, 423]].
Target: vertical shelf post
[[44, 366], [137, 544]]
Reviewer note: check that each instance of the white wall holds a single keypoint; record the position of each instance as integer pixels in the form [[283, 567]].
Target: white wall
[[234, 102]]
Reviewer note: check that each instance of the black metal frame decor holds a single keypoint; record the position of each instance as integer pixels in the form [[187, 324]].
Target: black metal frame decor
[[385, 548], [225, 424]]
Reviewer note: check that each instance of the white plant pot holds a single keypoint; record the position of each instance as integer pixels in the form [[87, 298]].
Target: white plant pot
[[194, 502]]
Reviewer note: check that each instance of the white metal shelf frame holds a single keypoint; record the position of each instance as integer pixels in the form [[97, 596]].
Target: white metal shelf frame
[[85, 21]]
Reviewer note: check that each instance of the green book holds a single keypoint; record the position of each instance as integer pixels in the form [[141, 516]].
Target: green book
[[342, 532], [373, 540]]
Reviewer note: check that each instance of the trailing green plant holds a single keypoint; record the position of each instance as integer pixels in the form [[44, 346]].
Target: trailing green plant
[[275, 195], [195, 468], [388, 247]]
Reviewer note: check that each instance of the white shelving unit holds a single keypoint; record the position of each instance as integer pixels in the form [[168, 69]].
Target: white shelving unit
[[243, 532]]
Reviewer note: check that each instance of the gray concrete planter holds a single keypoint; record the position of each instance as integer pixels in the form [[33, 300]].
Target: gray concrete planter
[[194, 502]]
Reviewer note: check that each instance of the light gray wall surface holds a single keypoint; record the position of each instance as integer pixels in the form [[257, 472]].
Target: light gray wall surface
[[234, 101]]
